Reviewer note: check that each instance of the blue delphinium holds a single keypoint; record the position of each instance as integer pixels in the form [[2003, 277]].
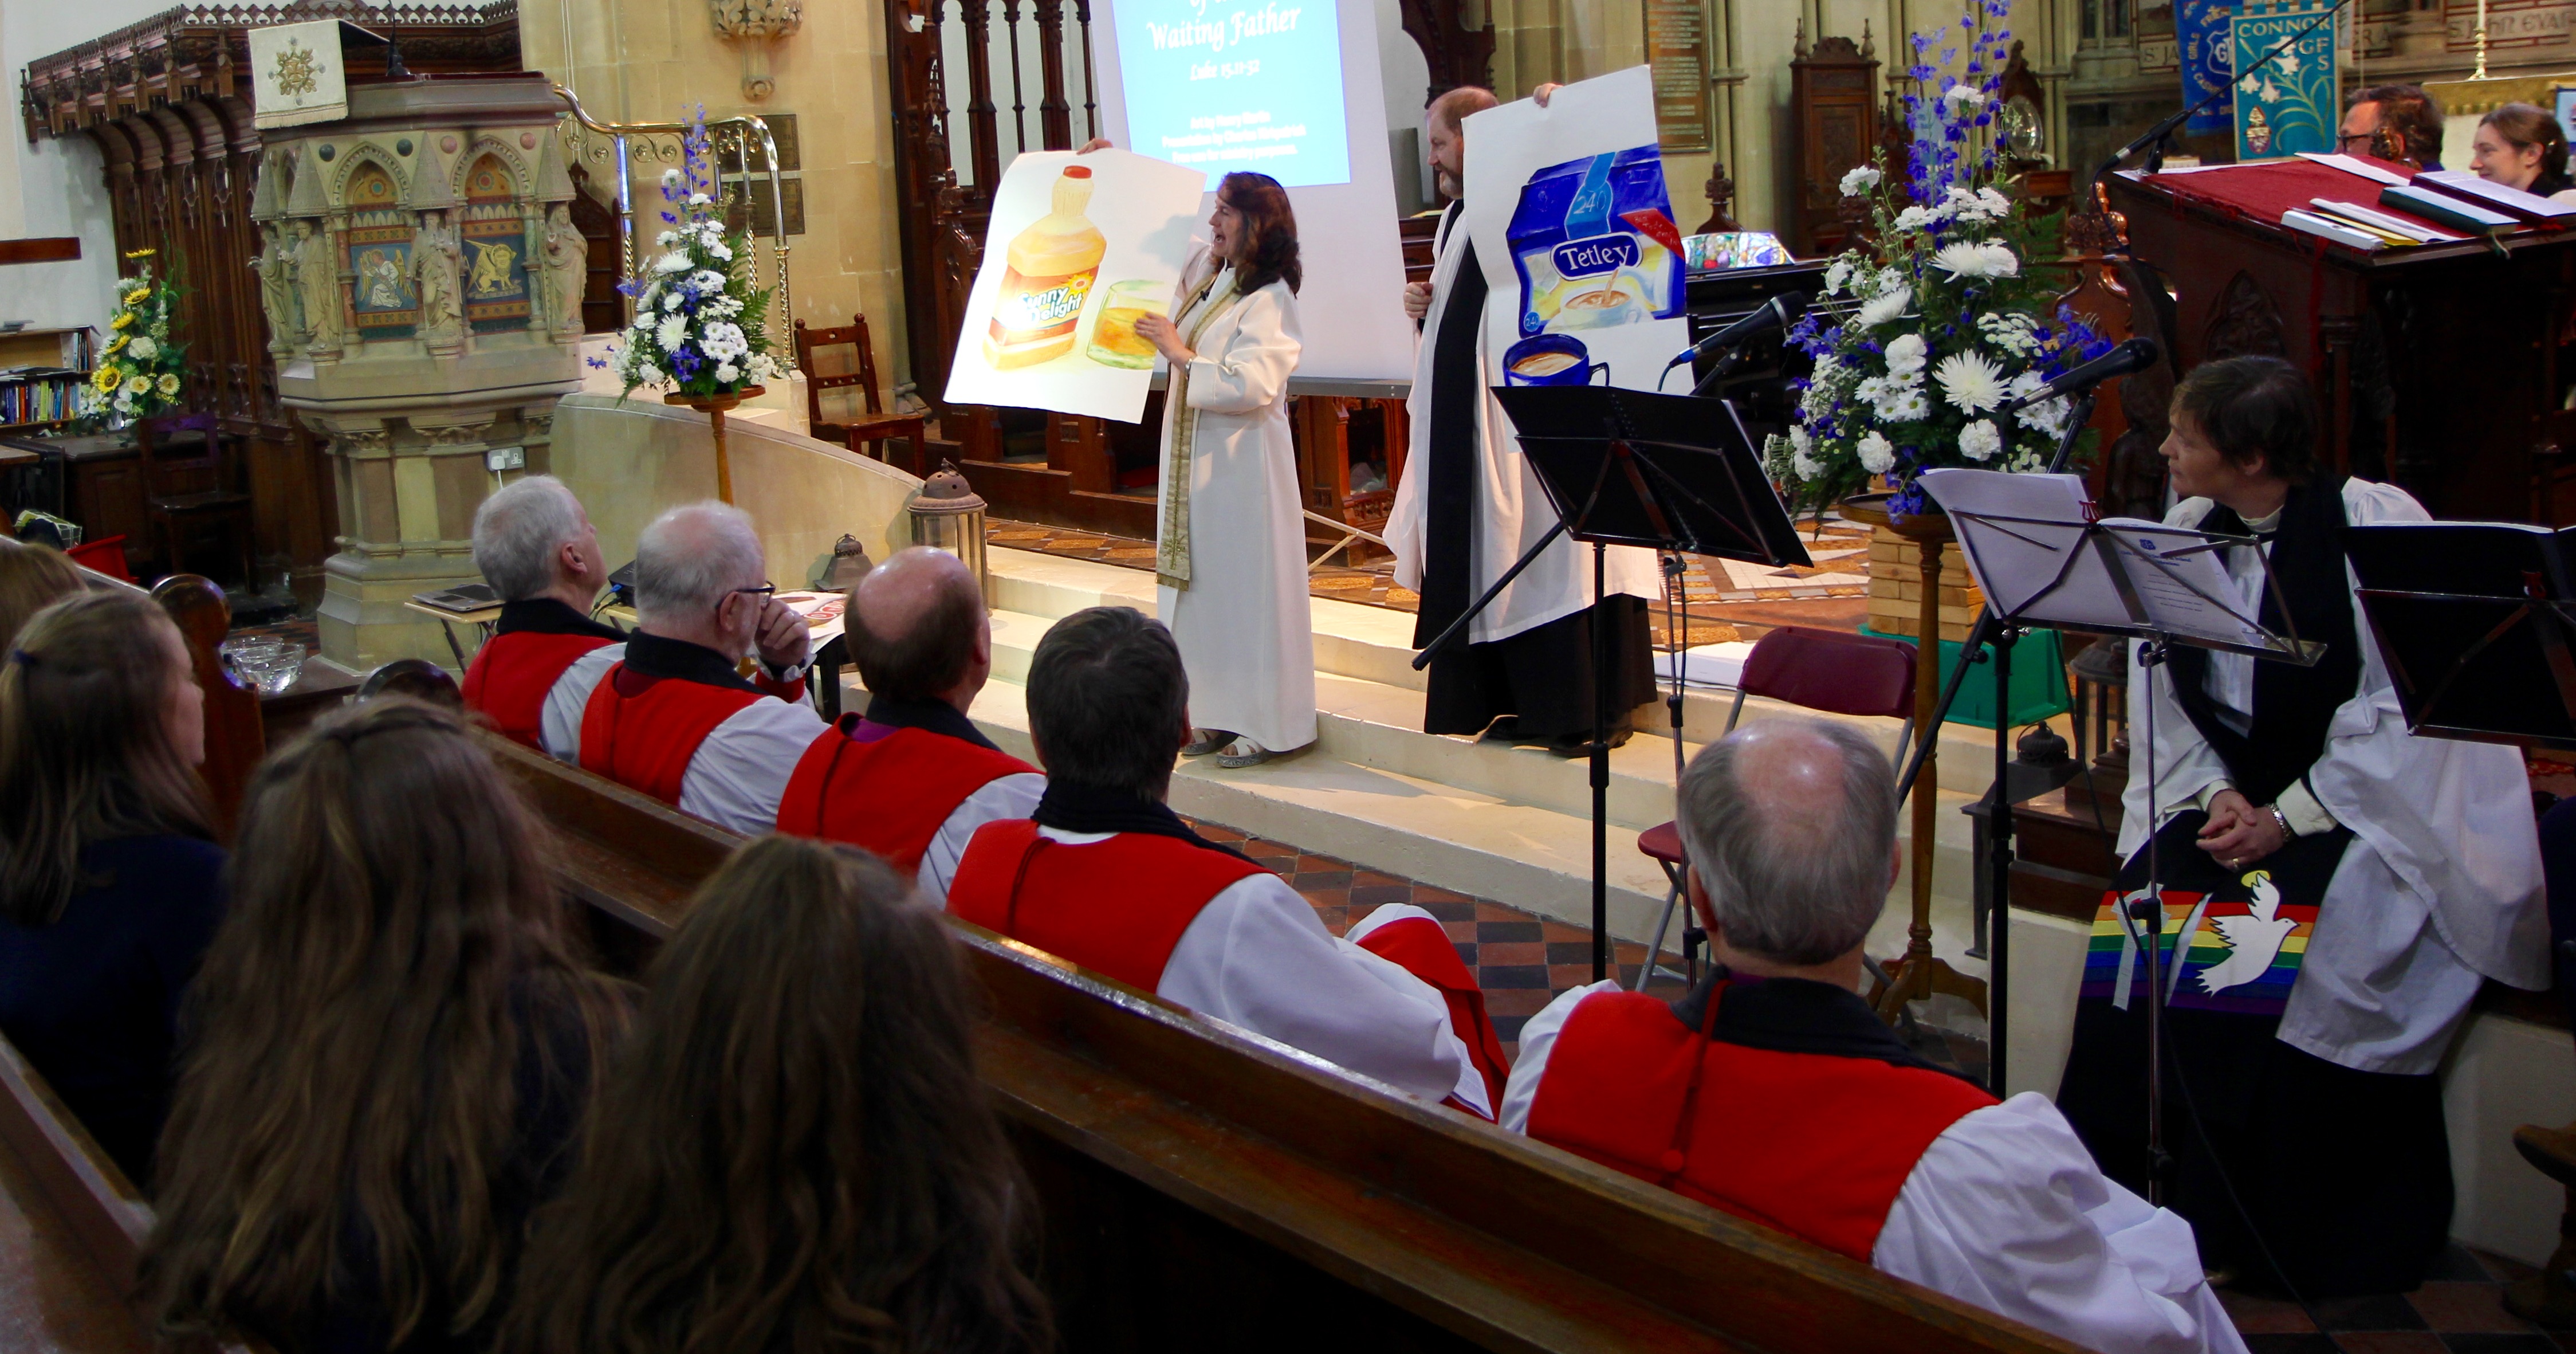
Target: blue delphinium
[[699, 324]]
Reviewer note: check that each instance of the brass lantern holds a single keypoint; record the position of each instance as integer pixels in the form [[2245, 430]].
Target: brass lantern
[[948, 516]]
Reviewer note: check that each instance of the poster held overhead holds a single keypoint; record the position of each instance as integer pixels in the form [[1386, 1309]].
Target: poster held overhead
[[1077, 249]]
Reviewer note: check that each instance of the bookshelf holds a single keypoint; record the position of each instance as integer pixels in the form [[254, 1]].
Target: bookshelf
[[41, 373]]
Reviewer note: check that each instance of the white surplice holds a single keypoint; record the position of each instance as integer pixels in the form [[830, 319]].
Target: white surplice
[[2006, 1211], [735, 778], [2441, 884], [1512, 511], [1245, 624]]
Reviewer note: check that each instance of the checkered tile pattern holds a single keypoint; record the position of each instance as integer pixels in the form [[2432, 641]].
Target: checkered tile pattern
[[2460, 1310]]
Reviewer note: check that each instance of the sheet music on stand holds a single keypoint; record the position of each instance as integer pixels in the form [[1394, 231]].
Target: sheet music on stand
[[2041, 559]]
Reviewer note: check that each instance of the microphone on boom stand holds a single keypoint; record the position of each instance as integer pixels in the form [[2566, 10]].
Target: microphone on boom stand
[[1777, 313], [2123, 358], [2152, 140]]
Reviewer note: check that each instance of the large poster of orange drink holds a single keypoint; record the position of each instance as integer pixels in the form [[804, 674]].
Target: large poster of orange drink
[[1080, 247]]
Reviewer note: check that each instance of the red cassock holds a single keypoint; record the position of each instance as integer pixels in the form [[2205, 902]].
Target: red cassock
[[1049, 894], [642, 731], [890, 795], [511, 674], [1816, 1144]]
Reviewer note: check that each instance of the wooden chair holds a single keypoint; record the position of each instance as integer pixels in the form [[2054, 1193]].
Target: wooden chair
[[843, 359], [164, 457], [1815, 670]]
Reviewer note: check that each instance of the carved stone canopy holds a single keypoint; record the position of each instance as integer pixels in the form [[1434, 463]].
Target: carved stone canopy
[[755, 24]]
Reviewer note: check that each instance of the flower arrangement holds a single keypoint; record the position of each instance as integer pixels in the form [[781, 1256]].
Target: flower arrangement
[[699, 324], [141, 370], [1937, 322]]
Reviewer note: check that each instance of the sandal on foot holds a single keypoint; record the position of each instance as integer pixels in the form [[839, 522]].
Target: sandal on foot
[[1244, 752], [1205, 741]]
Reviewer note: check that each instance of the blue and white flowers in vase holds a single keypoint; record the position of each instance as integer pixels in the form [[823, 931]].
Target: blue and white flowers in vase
[[700, 326], [1935, 322]]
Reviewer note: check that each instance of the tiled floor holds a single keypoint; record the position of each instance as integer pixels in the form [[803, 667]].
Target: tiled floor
[[2460, 1310]]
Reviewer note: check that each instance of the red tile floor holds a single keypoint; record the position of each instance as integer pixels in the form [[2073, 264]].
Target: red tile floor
[[1523, 960]]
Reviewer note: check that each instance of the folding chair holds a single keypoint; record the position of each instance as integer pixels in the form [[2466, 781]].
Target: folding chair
[[1824, 670]]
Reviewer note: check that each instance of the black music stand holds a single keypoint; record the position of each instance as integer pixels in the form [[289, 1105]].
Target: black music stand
[[2476, 622], [1630, 467], [2118, 577]]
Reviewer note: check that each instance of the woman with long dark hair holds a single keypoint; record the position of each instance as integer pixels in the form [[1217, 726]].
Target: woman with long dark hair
[[1230, 551], [2341, 888], [388, 1051], [111, 885], [794, 1154], [2522, 146]]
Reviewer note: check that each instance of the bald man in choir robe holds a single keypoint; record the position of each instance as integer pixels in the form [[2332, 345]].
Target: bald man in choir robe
[[1772, 1091], [536, 547], [912, 778], [1102, 873], [674, 717]]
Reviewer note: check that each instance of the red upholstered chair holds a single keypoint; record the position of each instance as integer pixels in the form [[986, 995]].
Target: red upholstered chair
[[103, 556], [1823, 670]]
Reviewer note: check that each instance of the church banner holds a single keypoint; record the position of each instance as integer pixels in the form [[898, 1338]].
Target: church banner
[[295, 75], [2285, 105], [1080, 247], [2201, 37], [1573, 227]]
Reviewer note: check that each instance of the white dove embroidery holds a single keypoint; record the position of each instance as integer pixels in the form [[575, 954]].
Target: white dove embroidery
[[2253, 939]]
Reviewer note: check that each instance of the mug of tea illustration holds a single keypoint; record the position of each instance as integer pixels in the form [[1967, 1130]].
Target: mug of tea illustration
[[1114, 340], [1551, 360], [1603, 307]]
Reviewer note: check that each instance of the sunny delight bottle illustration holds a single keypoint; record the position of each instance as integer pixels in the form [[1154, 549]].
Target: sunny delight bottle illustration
[[1047, 276]]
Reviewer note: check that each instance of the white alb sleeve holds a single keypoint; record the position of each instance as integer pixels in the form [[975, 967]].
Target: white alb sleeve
[[1257, 956], [559, 725], [740, 773], [2007, 1211], [1538, 1043], [1012, 796]]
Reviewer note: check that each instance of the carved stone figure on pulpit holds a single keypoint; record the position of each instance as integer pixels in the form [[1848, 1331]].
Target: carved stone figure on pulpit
[[567, 269], [317, 280], [436, 257], [274, 265]]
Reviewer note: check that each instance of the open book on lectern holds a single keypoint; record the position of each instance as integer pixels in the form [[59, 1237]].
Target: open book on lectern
[[2042, 559]]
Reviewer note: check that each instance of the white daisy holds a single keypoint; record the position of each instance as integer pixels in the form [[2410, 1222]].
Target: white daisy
[[1871, 388], [1904, 406], [1859, 181], [1970, 383], [1979, 441], [724, 341], [1884, 307], [1876, 453], [1905, 354]]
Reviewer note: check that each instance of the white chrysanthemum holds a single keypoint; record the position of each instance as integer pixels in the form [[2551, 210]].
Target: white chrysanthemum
[[1859, 181], [648, 374], [1829, 368], [1979, 441], [1876, 453], [1836, 275], [700, 200], [1970, 383], [721, 307], [1968, 96], [1885, 307], [143, 349], [707, 280], [677, 261], [1990, 258], [672, 332], [667, 239], [725, 341], [671, 178], [1800, 440], [1914, 218], [1996, 204], [1905, 354], [728, 372]]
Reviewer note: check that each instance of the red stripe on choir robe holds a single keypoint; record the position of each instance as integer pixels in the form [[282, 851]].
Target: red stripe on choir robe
[[511, 675], [890, 796], [1117, 906], [645, 738]]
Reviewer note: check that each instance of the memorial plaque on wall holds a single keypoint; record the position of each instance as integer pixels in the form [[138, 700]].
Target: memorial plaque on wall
[[754, 213], [1675, 31]]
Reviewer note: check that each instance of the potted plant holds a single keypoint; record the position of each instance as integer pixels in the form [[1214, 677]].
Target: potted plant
[[142, 371]]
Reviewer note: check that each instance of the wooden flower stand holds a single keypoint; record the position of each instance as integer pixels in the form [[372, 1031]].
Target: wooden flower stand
[[1919, 975], [714, 407]]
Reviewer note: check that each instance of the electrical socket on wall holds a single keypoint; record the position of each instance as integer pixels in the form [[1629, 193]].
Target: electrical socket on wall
[[499, 459]]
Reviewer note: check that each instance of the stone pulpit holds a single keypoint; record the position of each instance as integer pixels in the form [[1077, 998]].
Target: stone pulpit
[[422, 283]]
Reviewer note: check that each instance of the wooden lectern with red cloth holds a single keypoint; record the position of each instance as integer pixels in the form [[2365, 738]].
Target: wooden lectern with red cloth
[[2437, 365]]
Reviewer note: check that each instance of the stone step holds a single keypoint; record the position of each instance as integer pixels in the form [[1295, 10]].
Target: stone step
[[1375, 645]]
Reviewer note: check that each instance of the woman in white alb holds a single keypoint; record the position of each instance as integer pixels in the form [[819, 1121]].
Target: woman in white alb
[[1231, 549]]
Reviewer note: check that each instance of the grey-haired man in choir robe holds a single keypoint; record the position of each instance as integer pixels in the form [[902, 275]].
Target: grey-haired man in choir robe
[[1470, 505]]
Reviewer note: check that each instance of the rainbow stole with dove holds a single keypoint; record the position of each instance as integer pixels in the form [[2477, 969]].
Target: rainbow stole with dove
[[2240, 936]]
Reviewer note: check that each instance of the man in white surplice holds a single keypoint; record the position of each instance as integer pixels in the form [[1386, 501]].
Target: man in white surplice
[[1469, 505]]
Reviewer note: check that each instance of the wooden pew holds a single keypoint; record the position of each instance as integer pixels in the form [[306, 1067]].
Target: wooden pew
[[1200, 1183]]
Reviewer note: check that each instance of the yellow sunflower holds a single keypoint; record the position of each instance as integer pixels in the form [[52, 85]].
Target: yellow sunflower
[[106, 379], [121, 322], [135, 297], [140, 253]]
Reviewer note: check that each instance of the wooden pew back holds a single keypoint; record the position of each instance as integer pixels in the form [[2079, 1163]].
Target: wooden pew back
[[1192, 1172]]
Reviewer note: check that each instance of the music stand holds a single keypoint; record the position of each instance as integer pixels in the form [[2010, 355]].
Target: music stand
[[1631, 467], [2478, 639], [2054, 569]]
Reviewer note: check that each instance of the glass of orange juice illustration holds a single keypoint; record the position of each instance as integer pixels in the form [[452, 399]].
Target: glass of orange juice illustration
[[1047, 279], [1114, 340]]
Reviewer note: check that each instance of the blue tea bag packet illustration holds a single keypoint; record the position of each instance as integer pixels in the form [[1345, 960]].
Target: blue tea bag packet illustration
[[1594, 244]]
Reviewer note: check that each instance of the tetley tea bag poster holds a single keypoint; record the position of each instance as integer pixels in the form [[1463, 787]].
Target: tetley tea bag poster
[[1078, 249], [1573, 227]]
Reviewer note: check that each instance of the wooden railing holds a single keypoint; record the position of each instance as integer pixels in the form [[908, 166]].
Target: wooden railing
[[1198, 1179]]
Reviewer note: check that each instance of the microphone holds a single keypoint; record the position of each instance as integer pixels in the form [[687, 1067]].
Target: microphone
[[1776, 313], [2133, 355]]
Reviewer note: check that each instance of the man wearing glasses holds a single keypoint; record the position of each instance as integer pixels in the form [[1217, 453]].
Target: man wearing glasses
[[676, 718], [2394, 122]]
